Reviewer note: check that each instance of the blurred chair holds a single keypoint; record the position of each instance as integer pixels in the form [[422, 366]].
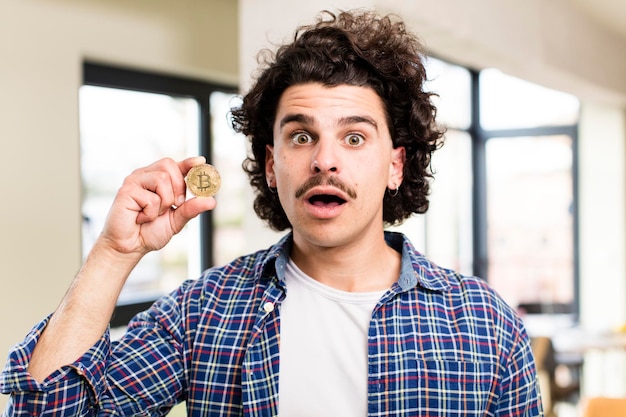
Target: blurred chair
[[553, 390], [604, 407]]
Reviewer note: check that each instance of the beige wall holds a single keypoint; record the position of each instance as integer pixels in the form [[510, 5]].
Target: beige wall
[[42, 46]]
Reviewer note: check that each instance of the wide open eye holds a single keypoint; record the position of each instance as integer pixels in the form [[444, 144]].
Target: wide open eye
[[354, 140], [301, 138]]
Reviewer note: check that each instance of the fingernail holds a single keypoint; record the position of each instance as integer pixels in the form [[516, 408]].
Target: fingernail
[[180, 200]]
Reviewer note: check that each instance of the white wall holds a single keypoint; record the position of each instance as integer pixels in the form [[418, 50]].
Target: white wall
[[603, 208], [547, 42], [602, 244], [42, 46]]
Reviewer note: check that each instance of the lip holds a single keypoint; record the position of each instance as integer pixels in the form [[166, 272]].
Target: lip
[[325, 190], [324, 211]]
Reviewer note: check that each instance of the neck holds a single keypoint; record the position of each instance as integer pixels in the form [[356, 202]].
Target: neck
[[370, 265]]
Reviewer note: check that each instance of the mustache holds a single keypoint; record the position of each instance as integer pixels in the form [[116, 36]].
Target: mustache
[[325, 180]]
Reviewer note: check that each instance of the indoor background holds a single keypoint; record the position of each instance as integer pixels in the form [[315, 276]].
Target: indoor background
[[577, 47]]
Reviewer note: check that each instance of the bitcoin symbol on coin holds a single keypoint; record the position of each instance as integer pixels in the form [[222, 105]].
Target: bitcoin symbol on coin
[[203, 180]]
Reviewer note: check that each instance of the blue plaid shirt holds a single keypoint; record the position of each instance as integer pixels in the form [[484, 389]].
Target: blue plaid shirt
[[440, 344]]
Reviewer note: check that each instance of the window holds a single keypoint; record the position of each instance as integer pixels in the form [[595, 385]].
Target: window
[[503, 202], [530, 222], [229, 149], [129, 119], [529, 148], [449, 225], [445, 232]]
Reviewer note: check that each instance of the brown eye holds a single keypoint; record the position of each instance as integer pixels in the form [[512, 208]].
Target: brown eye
[[301, 138], [354, 140]]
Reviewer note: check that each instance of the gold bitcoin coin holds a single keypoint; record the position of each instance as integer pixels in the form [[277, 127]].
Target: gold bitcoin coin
[[203, 180]]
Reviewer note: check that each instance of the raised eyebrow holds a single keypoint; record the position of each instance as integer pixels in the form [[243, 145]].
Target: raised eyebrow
[[305, 119], [297, 117], [349, 120]]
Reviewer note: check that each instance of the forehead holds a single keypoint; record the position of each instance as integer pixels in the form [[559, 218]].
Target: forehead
[[324, 103]]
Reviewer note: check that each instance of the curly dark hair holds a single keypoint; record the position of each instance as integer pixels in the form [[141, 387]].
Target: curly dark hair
[[356, 48]]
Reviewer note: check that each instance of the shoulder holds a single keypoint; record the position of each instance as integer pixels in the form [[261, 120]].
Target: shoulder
[[237, 278], [458, 298], [219, 291], [469, 296], [463, 291], [477, 309]]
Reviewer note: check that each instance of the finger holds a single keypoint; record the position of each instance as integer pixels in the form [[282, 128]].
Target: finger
[[151, 191], [174, 174], [184, 167], [186, 164], [165, 180], [163, 186], [148, 206], [190, 209]]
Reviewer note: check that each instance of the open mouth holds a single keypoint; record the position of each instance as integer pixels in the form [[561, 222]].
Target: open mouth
[[321, 200]]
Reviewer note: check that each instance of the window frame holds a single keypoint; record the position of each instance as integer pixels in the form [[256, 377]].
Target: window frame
[[479, 138]]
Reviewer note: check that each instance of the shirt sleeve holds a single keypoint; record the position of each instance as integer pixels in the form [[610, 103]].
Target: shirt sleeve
[[73, 389], [139, 375], [520, 394]]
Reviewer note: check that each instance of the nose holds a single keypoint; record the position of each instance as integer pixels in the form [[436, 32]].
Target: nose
[[326, 157]]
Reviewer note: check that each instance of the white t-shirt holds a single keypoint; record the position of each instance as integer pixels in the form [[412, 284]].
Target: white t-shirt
[[323, 348]]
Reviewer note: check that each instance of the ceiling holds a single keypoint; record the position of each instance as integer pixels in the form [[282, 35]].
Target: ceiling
[[609, 13]]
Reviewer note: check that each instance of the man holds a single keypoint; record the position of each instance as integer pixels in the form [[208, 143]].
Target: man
[[339, 317]]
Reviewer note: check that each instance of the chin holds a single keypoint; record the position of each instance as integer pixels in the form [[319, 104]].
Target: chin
[[322, 236]]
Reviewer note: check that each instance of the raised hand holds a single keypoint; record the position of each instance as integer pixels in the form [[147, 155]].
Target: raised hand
[[148, 210], [150, 207]]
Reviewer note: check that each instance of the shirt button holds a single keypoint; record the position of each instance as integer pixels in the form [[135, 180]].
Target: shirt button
[[268, 307]]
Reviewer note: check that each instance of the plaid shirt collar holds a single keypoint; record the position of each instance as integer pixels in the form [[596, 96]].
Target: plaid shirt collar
[[415, 270]]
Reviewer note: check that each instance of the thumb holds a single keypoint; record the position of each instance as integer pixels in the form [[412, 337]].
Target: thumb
[[190, 209]]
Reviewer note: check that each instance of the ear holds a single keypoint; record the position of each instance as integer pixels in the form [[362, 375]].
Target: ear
[[396, 167], [269, 166]]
